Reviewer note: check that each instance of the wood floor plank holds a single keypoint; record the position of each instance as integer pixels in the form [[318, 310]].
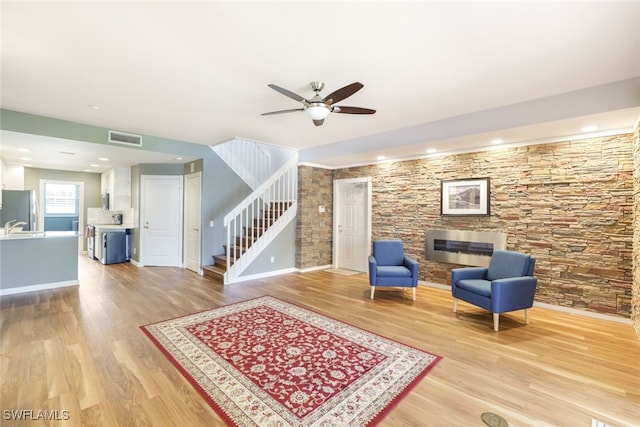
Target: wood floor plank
[[81, 348]]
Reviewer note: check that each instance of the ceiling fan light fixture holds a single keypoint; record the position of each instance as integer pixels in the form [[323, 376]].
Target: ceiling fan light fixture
[[317, 112]]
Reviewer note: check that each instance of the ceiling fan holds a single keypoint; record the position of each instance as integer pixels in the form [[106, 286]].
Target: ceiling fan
[[318, 108]]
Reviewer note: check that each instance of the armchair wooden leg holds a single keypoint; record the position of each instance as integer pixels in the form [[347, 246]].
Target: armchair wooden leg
[[455, 305], [373, 289], [414, 293], [496, 321], [526, 316]]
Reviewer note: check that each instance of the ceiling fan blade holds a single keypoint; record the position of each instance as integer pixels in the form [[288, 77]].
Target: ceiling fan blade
[[282, 111], [287, 93], [343, 93], [318, 122], [352, 110]]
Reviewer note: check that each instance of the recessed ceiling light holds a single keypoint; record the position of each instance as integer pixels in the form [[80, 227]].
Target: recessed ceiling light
[[25, 158], [23, 150], [93, 165], [497, 141], [178, 158], [103, 159], [589, 128], [87, 170], [381, 157], [431, 150]]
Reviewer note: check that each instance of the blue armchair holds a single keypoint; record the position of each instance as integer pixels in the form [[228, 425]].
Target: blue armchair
[[506, 285], [389, 266]]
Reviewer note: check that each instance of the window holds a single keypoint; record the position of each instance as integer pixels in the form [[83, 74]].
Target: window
[[60, 199]]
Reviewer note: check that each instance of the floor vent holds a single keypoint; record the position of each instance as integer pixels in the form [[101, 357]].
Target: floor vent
[[125, 138]]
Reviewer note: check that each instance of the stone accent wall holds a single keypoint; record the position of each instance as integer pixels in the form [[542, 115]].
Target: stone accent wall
[[314, 230], [635, 299], [569, 204]]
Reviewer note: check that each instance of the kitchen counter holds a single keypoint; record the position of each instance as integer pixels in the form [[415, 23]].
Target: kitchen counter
[[36, 234], [113, 226], [35, 261]]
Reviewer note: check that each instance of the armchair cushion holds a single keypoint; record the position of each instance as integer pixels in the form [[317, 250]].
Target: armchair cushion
[[388, 252], [393, 271], [508, 264], [477, 286]]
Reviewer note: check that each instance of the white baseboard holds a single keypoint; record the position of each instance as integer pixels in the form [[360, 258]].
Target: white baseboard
[[310, 269], [263, 275], [583, 313], [434, 285], [448, 288], [552, 307], [38, 287]]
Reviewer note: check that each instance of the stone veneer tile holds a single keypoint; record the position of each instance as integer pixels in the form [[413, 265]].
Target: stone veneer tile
[[569, 204], [635, 298]]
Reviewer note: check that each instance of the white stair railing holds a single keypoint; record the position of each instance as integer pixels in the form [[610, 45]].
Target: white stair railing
[[247, 158], [258, 219]]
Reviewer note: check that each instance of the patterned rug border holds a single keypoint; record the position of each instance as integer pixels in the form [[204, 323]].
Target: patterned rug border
[[384, 411]]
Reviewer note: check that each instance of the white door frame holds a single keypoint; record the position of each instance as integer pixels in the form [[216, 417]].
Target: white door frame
[[143, 178], [81, 209], [188, 205], [336, 214]]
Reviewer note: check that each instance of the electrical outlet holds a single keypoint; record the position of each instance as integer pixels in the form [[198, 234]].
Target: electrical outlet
[[273, 259], [211, 223]]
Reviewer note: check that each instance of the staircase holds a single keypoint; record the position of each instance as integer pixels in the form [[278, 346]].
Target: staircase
[[241, 243], [247, 159], [255, 223]]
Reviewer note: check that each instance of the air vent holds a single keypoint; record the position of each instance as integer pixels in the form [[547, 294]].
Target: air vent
[[125, 138]]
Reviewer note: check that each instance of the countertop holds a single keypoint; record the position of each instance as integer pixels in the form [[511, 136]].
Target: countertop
[[113, 226], [18, 235]]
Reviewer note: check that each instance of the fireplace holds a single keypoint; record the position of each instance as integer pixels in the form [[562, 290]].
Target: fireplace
[[463, 247]]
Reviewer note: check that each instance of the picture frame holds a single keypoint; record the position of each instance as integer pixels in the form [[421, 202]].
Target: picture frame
[[460, 197]]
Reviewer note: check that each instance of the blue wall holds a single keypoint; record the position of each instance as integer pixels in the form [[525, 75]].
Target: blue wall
[[60, 223]]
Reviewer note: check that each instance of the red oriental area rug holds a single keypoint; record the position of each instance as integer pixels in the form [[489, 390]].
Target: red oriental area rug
[[266, 362]]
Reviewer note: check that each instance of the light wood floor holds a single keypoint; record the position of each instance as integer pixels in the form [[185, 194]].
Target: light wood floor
[[80, 349]]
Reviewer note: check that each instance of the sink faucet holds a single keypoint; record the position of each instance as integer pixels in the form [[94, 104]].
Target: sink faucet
[[8, 227]]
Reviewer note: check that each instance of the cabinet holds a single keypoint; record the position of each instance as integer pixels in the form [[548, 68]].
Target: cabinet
[[117, 182]]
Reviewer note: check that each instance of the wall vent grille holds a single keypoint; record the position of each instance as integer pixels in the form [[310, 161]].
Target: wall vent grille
[[125, 138]]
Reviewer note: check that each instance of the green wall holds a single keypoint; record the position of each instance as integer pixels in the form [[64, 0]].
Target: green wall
[[222, 189], [91, 181]]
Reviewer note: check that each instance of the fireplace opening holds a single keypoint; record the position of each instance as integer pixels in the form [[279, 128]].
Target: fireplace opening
[[463, 247], [460, 246]]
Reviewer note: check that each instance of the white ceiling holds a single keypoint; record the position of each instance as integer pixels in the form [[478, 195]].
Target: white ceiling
[[445, 75]]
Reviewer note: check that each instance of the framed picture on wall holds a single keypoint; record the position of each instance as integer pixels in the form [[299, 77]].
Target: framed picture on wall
[[464, 196]]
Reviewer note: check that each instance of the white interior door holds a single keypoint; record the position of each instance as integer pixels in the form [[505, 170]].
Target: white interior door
[[192, 221], [352, 223], [161, 220]]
